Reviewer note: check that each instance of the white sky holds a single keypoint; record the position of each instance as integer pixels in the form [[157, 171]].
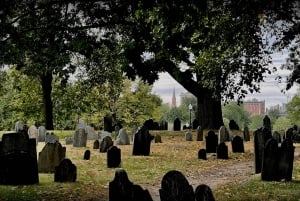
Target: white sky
[[270, 89]]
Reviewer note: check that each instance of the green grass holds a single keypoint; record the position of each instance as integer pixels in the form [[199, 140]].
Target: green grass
[[93, 176]]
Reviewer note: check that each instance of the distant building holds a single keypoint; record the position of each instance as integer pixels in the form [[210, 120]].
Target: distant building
[[281, 109], [255, 107], [173, 99]]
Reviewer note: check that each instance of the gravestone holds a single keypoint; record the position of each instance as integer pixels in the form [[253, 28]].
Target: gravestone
[[286, 160], [50, 157], [117, 129], [204, 193], [163, 125], [269, 170], [195, 124], [80, 138], [233, 125], [177, 125], [105, 143], [188, 136], [175, 187], [103, 134], [276, 135], [33, 133], [222, 151], [202, 154], [267, 122], [91, 133], [157, 138], [66, 171], [81, 124], [122, 189], [289, 133], [223, 135], [96, 144], [237, 145], [199, 133], [211, 142], [87, 155], [113, 157], [69, 140], [18, 160], [246, 134], [51, 138], [20, 126], [122, 138], [142, 142], [42, 133]]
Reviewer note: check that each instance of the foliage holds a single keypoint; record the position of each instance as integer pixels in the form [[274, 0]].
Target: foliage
[[293, 109], [282, 124], [256, 122], [233, 111]]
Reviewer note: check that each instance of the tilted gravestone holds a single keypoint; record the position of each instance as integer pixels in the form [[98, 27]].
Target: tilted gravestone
[[174, 186], [96, 144], [50, 157], [80, 138], [199, 133], [113, 157], [188, 136], [204, 193], [42, 133], [142, 142], [177, 125], [222, 151], [122, 189], [157, 138], [211, 142], [18, 160], [202, 154], [246, 134], [66, 171], [122, 138], [237, 144], [105, 143], [87, 155]]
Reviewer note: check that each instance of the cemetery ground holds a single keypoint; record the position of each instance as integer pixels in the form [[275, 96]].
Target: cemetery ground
[[231, 179]]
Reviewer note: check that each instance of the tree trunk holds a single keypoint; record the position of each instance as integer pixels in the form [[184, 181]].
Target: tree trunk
[[209, 112], [46, 81]]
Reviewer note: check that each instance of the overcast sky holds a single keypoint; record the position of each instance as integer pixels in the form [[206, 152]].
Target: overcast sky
[[270, 89]]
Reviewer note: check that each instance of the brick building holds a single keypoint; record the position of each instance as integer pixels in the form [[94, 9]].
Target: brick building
[[255, 107]]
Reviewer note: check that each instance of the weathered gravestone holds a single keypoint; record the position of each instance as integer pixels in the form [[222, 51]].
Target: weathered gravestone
[[195, 124], [87, 155], [211, 142], [202, 154], [51, 138], [69, 140], [177, 125], [91, 133], [188, 136], [80, 138], [20, 126], [42, 133], [246, 134], [96, 144], [142, 142], [261, 136], [276, 135], [204, 193], [105, 143], [81, 124], [50, 157], [199, 133], [157, 138], [122, 189], [122, 138], [223, 135], [18, 160], [237, 145], [233, 125], [33, 133], [66, 171], [222, 151], [113, 157], [175, 187]]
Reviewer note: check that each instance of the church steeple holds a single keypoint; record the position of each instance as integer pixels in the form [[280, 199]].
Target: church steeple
[[173, 99]]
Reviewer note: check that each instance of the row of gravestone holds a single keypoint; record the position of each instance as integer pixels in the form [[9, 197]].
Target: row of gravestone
[[174, 187]]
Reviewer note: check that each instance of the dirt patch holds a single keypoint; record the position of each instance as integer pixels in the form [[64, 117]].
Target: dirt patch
[[238, 173]]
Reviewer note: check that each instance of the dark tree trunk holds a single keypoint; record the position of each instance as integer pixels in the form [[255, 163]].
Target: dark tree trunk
[[46, 81], [209, 112]]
